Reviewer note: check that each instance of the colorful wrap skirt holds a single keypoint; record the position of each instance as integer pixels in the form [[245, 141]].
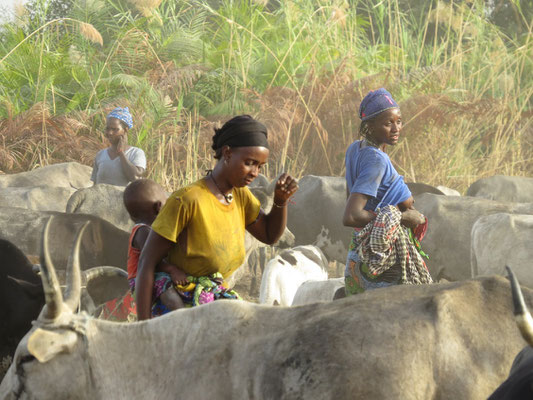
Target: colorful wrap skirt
[[199, 290], [357, 279]]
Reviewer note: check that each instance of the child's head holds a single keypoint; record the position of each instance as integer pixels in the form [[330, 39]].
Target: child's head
[[143, 199]]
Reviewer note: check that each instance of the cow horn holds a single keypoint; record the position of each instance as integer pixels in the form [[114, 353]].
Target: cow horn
[[96, 272], [522, 314], [73, 279], [52, 292]]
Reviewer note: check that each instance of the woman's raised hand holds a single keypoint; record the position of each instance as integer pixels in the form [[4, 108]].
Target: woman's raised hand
[[286, 186], [121, 144]]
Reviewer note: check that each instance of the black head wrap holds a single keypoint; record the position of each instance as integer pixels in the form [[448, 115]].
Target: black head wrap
[[241, 131]]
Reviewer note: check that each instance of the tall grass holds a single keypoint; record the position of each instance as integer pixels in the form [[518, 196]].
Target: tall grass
[[301, 67]]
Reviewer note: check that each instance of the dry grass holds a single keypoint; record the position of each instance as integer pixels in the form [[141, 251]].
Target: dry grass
[[90, 33], [465, 118], [444, 142]]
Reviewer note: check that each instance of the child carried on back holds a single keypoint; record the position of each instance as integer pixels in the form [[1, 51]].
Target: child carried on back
[[143, 199]]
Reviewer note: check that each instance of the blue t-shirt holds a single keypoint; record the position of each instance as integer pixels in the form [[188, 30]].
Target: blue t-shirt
[[370, 171]]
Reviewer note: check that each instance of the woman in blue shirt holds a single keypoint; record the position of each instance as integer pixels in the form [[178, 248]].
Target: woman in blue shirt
[[373, 183]]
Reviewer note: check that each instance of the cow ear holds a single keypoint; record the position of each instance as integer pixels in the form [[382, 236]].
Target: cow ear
[[33, 289], [45, 345]]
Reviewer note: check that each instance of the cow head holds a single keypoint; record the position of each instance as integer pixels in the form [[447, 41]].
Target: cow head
[[522, 314], [54, 348]]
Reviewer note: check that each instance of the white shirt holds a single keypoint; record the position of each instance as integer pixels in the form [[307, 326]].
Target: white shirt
[[106, 170]]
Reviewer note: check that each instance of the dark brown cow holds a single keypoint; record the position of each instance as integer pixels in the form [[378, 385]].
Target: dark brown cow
[[519, 384]]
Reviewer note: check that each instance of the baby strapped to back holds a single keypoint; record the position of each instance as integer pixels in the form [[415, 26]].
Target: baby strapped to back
[[143, 199], [172, 289]]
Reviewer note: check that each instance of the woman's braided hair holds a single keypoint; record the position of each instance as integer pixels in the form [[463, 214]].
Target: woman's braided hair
[[364, 130]]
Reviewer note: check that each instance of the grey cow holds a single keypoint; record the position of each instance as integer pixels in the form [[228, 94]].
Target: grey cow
[[448, 238], [501, 239], [103, 244], [426, 342], [517, 189], [69, 175]]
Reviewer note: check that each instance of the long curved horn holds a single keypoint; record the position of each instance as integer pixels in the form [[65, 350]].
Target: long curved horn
[[52, 291], [522, 314], [73, 279], [97, 272]]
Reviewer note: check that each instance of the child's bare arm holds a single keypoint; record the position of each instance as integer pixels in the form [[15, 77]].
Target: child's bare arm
[[154, 250], [140, 237], [178, 276]]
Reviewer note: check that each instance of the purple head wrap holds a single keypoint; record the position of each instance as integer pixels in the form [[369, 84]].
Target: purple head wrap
[[122, 114], [375, 102]]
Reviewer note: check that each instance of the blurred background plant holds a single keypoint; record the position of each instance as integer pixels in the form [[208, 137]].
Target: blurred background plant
[[461, 70]]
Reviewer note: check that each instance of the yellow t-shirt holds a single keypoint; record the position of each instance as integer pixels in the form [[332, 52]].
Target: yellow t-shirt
[[215, 231]]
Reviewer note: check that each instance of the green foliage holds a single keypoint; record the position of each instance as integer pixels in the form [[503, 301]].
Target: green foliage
[[188, 59]]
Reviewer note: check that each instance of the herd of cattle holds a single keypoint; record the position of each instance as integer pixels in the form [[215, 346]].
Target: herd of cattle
[[454, 339]]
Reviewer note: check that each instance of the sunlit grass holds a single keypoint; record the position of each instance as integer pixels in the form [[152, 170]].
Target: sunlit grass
[[301, 67]]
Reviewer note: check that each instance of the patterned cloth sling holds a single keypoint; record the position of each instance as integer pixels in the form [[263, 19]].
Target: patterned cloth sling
[[205, 289], [384, 243]]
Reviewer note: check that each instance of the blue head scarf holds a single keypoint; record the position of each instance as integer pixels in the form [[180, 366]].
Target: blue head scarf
[[122, 114], [375, 102]]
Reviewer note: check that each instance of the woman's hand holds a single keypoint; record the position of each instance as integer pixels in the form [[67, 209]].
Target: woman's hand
[[286, 186], [121, 144], [412, 218]]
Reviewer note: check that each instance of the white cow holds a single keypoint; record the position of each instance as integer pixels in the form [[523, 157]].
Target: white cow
[[406, 342], [316, 291], [285, 273], [503, 239]]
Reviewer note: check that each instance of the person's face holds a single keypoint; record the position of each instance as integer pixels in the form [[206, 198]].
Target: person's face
[[386, 127], [244, 164], [114, 130]]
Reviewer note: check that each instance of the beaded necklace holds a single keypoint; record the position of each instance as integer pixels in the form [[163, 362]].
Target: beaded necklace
[[228, 197]]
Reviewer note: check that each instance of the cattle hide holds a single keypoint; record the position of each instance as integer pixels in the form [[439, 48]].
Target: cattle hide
[[246, 280], [102, 244], [40, 198], [417, 188], [70, 175], [21, 297], [503, 239], [317, 291], [448, 191], [315, 215], [519, 385], [404, 342], [288, 270], [104, 201], [518, 189], [450, 221]]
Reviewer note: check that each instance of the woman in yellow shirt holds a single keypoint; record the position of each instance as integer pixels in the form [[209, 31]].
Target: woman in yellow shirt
[[201, 226]]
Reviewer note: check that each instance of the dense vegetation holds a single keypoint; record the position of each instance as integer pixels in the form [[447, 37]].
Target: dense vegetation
[[462, 72]]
